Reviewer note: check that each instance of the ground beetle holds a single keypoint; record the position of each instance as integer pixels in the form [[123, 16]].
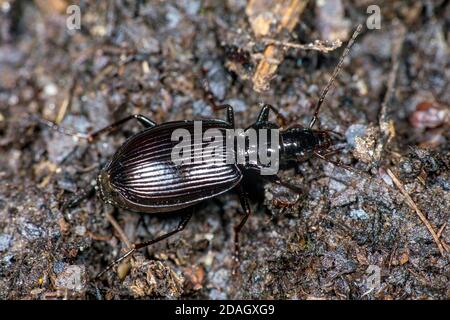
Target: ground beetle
[[141, 176]]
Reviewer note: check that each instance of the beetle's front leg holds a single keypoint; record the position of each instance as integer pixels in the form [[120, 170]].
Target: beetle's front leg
[[277, 180], [210, 97]]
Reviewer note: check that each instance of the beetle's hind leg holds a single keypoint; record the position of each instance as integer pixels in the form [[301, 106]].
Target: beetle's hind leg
[[184, 221], [90, 137], [146, 122]]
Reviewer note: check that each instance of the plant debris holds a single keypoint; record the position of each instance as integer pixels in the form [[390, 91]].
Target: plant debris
[[389, 216]]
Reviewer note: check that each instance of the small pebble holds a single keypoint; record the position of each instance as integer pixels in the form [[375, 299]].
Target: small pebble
[[217, 80], [80, 230], [50, 89], [355, 130], [359, 214], [59, 266], [5, 241], [73, 277]]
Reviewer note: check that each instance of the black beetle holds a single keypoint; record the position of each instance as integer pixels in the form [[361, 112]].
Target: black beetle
[[141, 176]]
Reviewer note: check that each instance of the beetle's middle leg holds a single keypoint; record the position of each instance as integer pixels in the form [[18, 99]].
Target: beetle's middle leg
[[216, 107], [263, 116], [184, 221], [230, 112], [77, 199], [237, 228]]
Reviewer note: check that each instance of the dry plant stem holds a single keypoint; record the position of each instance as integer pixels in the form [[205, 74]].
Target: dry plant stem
[[119, 229], [97, 237], [385, 122], [439, 234], [290, 12], [51, 7], [413, 206], [318, 45], [65, 105]]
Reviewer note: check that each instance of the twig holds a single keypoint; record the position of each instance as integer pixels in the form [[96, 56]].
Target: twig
[[51, 7], [439, 234], [385, 123], [318, 45], [119, 229], [65, 105], [413, 205], [288, 13], [98, 237]]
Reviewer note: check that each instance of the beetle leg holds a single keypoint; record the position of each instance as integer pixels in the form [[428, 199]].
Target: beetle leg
[[184, 221], [144, 244], [210, 97], [230, 112], [237, 228], [336, 163], [263, 116], [146, 122], [230, 115], [277, 180], [85, 194]]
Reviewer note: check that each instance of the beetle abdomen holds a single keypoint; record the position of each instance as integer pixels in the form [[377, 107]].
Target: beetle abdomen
[[147, 180]]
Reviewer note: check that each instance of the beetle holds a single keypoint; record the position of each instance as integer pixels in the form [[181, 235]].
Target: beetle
[[142, 177]]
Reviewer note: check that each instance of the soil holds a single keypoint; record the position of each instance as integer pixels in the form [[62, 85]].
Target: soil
[[379, 231]]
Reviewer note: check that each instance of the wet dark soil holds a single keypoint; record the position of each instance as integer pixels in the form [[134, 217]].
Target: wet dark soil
[[351, 235]]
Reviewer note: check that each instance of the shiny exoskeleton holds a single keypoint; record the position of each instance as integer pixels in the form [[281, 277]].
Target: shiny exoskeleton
[[142, 177]]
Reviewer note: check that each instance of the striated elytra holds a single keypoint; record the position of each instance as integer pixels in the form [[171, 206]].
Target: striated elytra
[[142, 176]]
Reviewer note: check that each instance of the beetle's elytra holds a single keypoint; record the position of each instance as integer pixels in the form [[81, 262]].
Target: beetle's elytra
[[142, 177]]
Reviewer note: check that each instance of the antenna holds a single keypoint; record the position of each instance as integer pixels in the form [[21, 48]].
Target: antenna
[[333, 76]]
